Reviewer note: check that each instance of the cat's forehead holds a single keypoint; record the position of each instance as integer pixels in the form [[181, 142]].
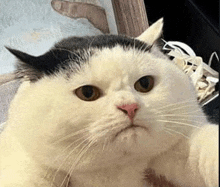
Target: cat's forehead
[[105, 55], [115, 62], [114, 66]]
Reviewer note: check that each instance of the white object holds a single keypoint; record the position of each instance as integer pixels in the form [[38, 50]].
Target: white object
[[202, 75]]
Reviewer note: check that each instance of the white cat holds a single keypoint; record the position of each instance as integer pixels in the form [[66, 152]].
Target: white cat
[[98, 111]]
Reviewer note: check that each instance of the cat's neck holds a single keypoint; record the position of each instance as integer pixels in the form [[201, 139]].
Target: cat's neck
[[131, 175]]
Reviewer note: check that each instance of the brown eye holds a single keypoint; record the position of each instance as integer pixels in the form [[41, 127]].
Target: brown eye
[[144, 84], [88, 93]]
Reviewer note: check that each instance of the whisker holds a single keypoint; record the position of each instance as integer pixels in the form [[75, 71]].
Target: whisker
[[177, 132], [63, 151], [176, 126], [104, 144], [67, 158], [191, 112], [109, 128], [106, 139], [168, 132], [71, 135], [81, 153], [179, 123], [181, 115], [176, 108], [103, 133], [177, 103], [184, 119]]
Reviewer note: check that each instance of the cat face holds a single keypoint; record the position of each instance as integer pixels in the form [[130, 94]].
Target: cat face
[[116, 100]]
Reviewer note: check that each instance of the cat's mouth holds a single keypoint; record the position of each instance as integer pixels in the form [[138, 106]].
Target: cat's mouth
[[130, 127]]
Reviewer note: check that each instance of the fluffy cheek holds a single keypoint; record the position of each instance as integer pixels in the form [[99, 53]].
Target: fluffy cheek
[[44, 117]]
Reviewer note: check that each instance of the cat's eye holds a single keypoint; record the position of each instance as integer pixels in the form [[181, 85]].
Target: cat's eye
[[144, 84], [88, 93]]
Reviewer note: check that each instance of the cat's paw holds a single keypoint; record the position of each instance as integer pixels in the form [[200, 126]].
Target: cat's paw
[[204, 154]]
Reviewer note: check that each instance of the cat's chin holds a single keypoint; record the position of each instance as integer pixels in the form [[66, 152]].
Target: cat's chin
[[131, 136], [131, 131]]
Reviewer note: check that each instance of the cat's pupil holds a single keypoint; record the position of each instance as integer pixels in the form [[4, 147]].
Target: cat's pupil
[[144, 82], [87, 91]]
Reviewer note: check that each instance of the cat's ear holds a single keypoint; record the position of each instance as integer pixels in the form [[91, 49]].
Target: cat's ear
[[154, 32], [35, 67], [27, 66]]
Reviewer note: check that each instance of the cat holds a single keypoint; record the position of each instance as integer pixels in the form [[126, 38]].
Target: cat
[[98, 111]]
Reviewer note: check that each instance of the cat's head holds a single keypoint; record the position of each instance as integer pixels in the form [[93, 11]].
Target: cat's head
[[102, 98]]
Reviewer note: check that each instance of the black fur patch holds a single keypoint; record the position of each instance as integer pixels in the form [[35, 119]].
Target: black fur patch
[[74, 48], [101, 41]]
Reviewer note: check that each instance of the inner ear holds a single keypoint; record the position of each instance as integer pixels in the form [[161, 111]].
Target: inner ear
[[153, 33]]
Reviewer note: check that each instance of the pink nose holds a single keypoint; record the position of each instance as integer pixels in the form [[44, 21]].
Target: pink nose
[[130, 110]]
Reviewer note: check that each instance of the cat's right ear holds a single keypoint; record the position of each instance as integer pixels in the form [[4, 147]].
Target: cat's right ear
[[27, 66], [151, 34]]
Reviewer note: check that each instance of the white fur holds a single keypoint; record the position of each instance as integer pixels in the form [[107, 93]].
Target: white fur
[[41, 146]]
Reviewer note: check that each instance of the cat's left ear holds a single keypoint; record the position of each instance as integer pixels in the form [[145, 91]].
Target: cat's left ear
[[35, 67], [28, 66], [152, 33]]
